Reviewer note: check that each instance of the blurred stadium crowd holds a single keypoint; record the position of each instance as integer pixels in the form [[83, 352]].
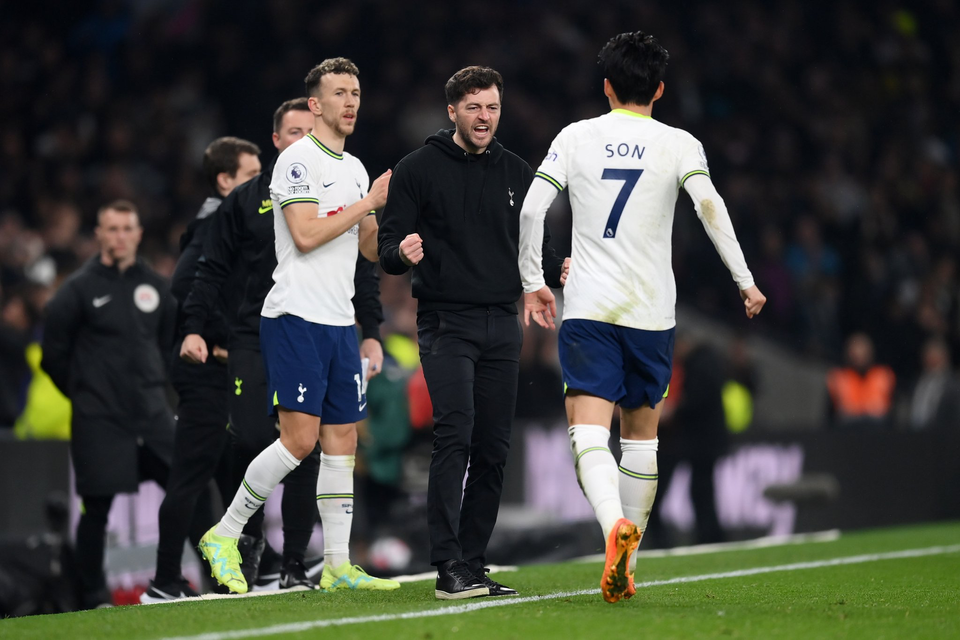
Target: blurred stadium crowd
[[831, 130]]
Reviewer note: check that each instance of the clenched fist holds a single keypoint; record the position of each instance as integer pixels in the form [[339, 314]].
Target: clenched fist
[[411, 249]]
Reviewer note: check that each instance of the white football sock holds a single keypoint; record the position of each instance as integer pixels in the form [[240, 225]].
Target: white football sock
[[597, 472], [638, 482], [262, 477], [335, 504]]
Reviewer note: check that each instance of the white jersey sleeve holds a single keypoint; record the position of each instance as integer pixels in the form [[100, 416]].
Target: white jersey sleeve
[[716, 221], [694, 177], [296, 177], [692, 161], [549, 180]]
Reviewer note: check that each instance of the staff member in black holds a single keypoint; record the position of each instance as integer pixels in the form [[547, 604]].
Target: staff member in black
[[201, 439], [107, 337], [242, 236], [453, 214]]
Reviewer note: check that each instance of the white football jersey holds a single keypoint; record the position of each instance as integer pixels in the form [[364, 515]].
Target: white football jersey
[[624, 171], [318, 285]]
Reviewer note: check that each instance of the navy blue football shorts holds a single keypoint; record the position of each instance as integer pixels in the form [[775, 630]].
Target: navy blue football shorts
[[631, 367], [313, 368]]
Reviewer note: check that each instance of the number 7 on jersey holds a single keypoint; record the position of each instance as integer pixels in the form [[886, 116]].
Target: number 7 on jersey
[[629, 177]]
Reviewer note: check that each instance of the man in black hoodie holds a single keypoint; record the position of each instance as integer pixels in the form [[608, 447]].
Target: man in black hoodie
[[453, 215]]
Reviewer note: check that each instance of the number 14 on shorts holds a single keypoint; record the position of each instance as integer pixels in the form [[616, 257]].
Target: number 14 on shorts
[[361, 380]]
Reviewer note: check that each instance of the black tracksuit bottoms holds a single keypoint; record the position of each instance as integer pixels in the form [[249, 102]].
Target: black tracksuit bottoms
[[199, 450], [471, 361]]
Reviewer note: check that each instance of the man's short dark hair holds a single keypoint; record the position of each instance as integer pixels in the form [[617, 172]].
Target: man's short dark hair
[[634, 63], [471, 80], [223, 156], [123, 206], [330, 65], [297, 104]]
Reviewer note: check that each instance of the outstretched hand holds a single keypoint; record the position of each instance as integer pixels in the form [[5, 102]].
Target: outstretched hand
[[753, 300], [542, 305]]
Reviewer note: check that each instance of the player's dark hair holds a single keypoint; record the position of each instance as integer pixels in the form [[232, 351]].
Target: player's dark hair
[[122, 206], [471, 80], [223, 156], [634, 63], [330, 65], [297, 104]]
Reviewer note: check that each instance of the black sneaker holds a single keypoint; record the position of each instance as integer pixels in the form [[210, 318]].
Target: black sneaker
[[269, 577], [495, 588], [176, 590], [293, 576], [251, 550], [455, 581]]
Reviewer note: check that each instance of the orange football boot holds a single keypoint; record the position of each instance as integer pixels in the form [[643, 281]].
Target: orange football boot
[[616, 582]]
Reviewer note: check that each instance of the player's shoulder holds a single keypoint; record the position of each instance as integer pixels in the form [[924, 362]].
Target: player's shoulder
[[681, 137], [297, 162], [304, 147], [353, 162]]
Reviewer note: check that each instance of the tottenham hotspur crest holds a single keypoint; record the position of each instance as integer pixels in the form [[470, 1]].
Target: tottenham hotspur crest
[[302, 389], [510, 192]]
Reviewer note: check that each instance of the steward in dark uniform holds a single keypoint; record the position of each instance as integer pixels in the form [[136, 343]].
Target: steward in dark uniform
[[107, 336]]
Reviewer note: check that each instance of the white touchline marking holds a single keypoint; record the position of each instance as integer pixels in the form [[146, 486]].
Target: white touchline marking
[[296, 627], [737, 545]]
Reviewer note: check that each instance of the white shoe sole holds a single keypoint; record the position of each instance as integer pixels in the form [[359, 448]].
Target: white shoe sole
[[462, 595]]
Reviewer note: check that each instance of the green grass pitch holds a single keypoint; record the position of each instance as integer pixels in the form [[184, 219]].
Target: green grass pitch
[[792, 592]]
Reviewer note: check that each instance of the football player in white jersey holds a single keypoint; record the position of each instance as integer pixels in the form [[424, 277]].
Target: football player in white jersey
[[309, 344], [624, 171]]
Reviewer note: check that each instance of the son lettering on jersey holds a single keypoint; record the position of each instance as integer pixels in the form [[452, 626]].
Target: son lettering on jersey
[[625, 150]]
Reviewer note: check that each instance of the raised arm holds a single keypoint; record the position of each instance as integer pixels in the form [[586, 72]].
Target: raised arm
[[399, 220], [309, 231]]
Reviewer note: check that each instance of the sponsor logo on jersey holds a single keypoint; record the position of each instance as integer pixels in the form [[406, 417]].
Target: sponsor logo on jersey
[[102, 300], [296, 173], [146, 297], [265, 205]]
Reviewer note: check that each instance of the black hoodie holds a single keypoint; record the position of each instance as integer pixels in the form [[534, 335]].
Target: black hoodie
[[466, 208]]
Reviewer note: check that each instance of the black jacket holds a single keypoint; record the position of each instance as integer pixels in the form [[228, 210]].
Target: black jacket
[[241, 237], [466, 209], [106, 339], [212, 373]]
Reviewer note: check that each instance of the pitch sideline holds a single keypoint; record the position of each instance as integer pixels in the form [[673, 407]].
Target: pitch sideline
[[296, 627]]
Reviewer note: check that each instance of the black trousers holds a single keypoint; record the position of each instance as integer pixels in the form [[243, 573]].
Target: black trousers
[[199, 455], [92, 531], [253, 430], [470, 362], [702, 495]]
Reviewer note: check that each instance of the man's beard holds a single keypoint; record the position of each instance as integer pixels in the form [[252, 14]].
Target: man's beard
[[339, 129], [466, 133]]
